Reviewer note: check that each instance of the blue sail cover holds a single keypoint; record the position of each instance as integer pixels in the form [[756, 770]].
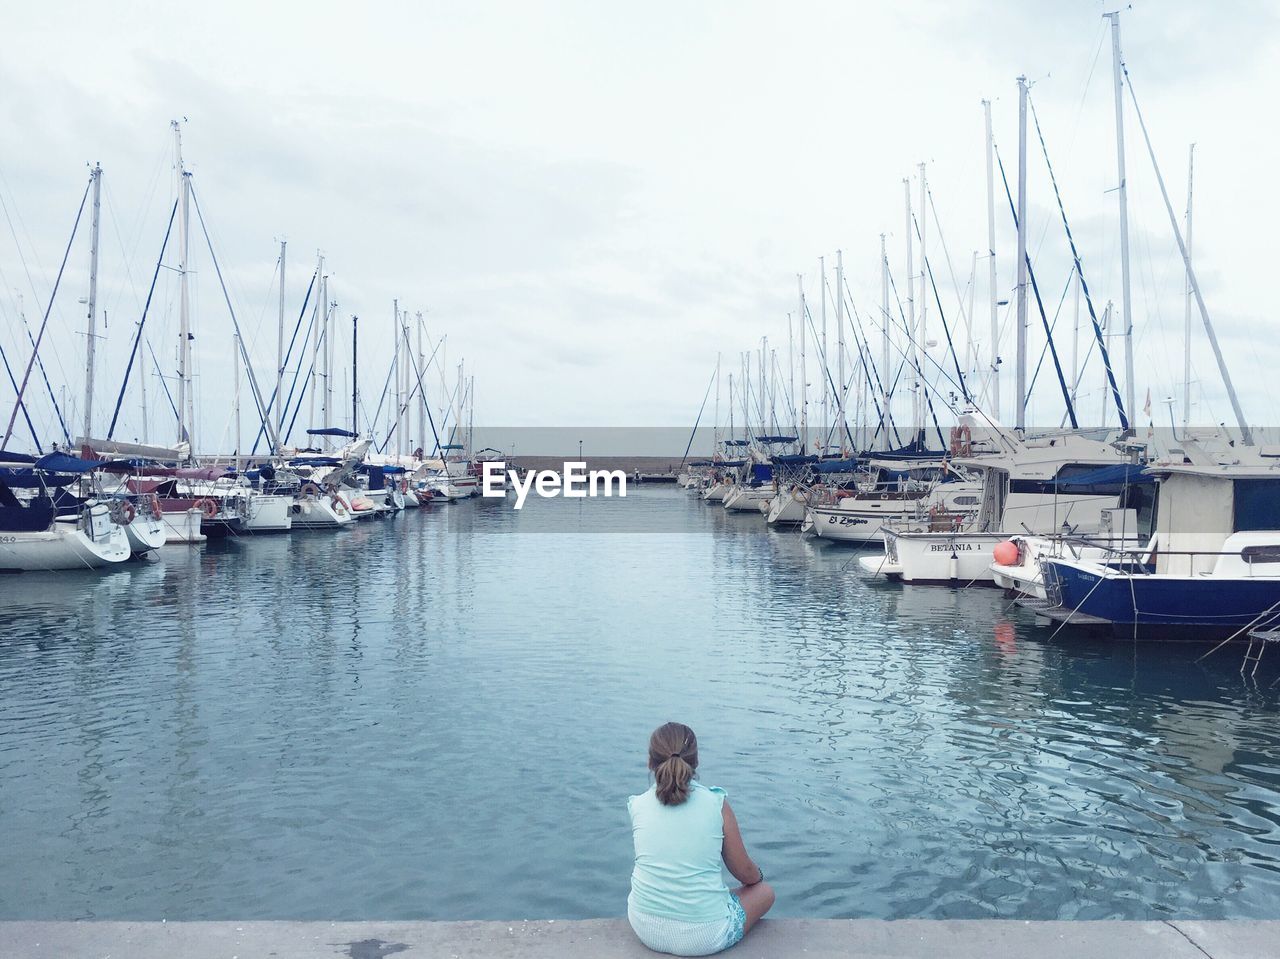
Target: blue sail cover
[[836, 466], [761, 473], [776, 439], [793, 459], [1124, 474], [64, 463], [331, 431]]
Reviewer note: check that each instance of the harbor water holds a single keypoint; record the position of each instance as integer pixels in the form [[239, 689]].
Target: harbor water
[[440, 715]]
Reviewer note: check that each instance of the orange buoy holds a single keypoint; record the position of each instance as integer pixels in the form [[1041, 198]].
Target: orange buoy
[[1006, 553]]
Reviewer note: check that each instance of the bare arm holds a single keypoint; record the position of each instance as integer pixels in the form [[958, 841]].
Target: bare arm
[[740, 865]]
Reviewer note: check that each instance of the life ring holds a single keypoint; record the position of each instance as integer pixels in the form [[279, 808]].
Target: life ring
[[961, 441], [123, 512], [310, 489], [209, 507], [404, 486], [156, 511]]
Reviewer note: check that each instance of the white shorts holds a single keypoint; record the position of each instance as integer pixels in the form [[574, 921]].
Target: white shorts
[[681, 938]]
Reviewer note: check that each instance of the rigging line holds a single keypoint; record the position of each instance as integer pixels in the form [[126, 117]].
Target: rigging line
[[248, 365], [133, 351], [1246, 434], [307, 381], [405, 406], [160, 374], [868, 362], [35, 352], [288, 356], [45, 377], [926, 387], [694, 432], [1066, 288], [1035, 286], [297, 371], [1079, 270], [946, 252], [827, 372], [25, 414], [964, 390]]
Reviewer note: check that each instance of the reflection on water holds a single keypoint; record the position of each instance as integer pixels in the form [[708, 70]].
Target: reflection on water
[[441, 715]]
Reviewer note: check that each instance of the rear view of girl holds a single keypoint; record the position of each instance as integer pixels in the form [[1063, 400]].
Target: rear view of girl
[[683, 830]]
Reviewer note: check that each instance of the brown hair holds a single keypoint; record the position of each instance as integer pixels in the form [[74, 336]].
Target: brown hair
[[673, 757]]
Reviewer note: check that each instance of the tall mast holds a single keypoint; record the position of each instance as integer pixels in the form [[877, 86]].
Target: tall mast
[[1020, 413], [969, 358], [916, 419], [921, 334], [280, 348], [991, 267], [1186, 321], [235, 347], [317, 324], [715, 429], [355, 374], [1075, 340], [93, 304], [185, 405], [422, 398], [804, 371], [1117, 65], [399, 339], [326, 346], [791, 366], [884, 342], [826, 357], [841, 396]]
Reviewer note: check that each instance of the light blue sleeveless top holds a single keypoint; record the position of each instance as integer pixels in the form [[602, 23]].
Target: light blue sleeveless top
[[678, 854]]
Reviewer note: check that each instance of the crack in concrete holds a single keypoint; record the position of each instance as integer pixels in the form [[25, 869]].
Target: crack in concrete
[[1180, 931]]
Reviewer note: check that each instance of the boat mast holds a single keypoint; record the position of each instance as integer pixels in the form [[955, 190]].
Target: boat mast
[[422, 399], [317, 324], [92, 334], [826, 361], [1075, 341], [920, 335], [994, 295], [235, 346], [884, 342], [1020, 417], [804, 371], [280, 347], [841, 397], [355, 374], [715, 429], [1186, 320], [791, 367], [186, 426], [916, 419], [327, 311], [1117, 66], [397, 358]]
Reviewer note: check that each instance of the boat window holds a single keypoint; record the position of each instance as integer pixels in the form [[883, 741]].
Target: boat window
[[1261, 554], [1256, 504], [965, 501]]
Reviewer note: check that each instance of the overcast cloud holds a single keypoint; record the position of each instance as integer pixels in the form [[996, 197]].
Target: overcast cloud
[[592, 199]]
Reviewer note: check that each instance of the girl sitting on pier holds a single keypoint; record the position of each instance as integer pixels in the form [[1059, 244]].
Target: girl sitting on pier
[[682, 830]]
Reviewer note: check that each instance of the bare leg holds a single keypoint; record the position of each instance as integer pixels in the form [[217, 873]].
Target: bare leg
[[756, 901]]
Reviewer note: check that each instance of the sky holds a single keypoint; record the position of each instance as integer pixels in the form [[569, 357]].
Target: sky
[[594, 201]]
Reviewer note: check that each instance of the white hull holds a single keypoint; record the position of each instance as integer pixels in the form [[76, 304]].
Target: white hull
[[716, 493], [747, 498], [66, 545], [145, 533], [183, 527], [787, 508], [941, 558], [319, 512], [268, 513]]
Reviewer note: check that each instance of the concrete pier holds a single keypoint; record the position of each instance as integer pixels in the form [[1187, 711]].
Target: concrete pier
[[612, 939]]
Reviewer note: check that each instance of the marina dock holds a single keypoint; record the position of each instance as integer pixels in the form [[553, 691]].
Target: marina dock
[[613, 939]]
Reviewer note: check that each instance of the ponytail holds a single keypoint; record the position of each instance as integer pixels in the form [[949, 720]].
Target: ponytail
[[673, 757]]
